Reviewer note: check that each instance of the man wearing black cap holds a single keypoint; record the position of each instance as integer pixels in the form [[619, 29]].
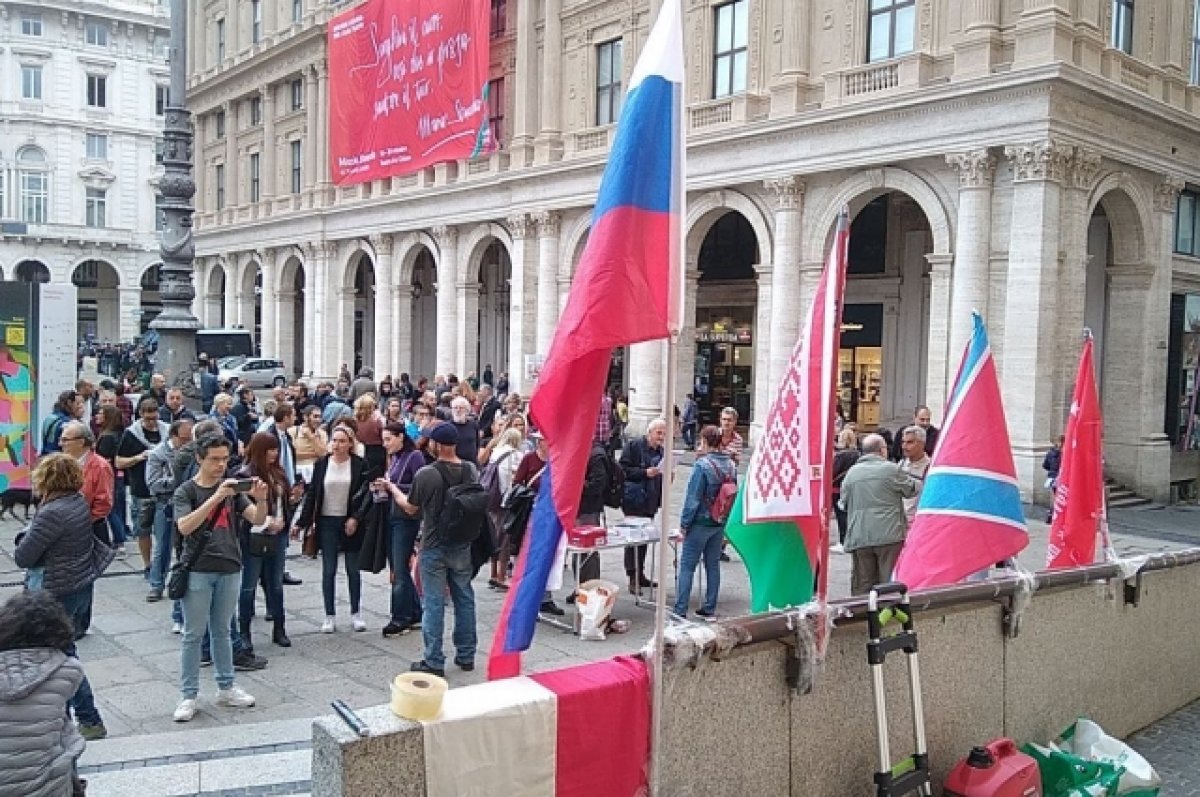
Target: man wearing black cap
[[440, 562]]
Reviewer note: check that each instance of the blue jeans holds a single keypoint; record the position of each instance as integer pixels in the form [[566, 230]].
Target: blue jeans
[[270, 570], [209, 603], [160, 559], [116, 517], [330, 531], [83, 703], [439, 568], [406, 607], [700, 542], [235, 639]]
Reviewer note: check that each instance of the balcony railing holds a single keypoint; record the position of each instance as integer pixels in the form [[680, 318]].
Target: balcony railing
[[869, 81]]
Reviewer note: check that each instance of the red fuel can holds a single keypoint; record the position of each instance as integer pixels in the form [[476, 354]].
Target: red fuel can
[[997, 770]]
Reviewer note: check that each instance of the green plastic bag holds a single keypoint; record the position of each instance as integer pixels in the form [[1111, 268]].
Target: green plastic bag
[[1067, 775]]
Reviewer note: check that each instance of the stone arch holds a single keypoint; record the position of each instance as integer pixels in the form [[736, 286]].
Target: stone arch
[[98, 297], [293, 338], [354, 250], [476, 242], [216, 268], [866, 185], [574, 241], [1127, 207], [408, 249], [116, 271], [707, 208], [32, 270]]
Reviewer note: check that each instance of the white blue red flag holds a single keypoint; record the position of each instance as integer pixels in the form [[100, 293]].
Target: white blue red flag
[[969, 516], [620, 295]]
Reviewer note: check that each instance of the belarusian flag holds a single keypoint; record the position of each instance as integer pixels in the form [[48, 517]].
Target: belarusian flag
[[780, 520]]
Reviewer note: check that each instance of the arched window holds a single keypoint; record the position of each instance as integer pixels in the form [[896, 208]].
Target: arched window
[[34, 179]]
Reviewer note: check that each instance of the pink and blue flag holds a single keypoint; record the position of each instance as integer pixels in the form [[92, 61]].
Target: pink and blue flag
[[969, 515], [620, 295]]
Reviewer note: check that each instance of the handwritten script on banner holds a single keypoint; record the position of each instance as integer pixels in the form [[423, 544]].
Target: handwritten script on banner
[[408, 87]]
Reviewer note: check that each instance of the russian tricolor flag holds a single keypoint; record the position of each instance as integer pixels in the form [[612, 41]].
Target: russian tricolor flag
[[620, 295], [577, 732]]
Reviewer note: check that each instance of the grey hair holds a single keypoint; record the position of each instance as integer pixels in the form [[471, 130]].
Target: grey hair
[[874, 444], [657, 423], [206, 427], [85, 433], [914, 430]]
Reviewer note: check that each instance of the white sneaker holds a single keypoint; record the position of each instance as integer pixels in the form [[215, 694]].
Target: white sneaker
[[839, 548], [185, 710], [234, 697], [358, 623], [120, 551], [327, 626], [176, 628]]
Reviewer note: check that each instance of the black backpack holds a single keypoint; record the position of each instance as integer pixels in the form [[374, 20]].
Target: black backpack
[[614, 487], [464, 507]]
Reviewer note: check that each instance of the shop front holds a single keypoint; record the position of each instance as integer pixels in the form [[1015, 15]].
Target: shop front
[[860, 365], [1182, 423], [724, 363]]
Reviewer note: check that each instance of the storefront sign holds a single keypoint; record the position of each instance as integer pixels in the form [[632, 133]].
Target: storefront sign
[[408, 87], [743, 336]]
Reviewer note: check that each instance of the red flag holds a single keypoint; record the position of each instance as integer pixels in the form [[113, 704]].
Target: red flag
[[1079, 498]]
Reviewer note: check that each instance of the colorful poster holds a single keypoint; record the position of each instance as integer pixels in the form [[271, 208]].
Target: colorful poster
[[17, 340], [408, 87]]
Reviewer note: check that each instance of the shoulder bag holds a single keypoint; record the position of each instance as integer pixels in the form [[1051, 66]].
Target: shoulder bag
[[177, 582]]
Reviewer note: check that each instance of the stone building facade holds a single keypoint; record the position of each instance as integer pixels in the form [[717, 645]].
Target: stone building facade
[[84, 87], [1022, 158]]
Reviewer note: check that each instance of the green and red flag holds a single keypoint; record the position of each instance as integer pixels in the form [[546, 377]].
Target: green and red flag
[[779, 523]]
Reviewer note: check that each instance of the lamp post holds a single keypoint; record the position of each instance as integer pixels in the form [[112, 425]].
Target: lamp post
[[176, 326]]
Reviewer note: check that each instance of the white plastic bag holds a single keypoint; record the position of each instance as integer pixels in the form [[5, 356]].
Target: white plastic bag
[[593, 604], [1088, 740]]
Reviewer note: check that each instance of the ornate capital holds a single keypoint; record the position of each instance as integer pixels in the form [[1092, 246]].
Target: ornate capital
[[520, 225], [446, 236], [383, 245], [1048, 159], [1084, 168], [976, 168], [787, 191], [1166, 193], [548, 223]]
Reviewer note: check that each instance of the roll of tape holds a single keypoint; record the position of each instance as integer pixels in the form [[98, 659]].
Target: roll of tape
[[417, 695]]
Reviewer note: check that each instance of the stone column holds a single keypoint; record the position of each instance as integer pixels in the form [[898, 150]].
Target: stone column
[[549, 142], [467, 298], [285, 330], [1027, 371], [685, 365], [311, 126], [787, 310], [795, 30], [972, 252], [130, 309], [269, 334], [344, 319], [762, 352], [231, 156], [402, 313], [447, 277], [322, 136], [522, 294], [385, 299], [943, 358], [1044, 33], [524, 90], [233, 293], [979, 49], [547, 280], [269, 177], [324, 329], [647, 364]]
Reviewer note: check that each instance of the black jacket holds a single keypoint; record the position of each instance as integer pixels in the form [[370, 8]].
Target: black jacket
[[636, 457], [595, 481], [360, 495]]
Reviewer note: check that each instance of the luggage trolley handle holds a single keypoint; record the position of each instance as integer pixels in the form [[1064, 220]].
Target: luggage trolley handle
[[886, 603]]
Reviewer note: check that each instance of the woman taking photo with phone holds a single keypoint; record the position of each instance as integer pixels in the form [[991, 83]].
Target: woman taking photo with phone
[[339, 484], [263, 551]]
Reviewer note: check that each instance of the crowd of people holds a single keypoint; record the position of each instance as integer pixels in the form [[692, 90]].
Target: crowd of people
[[364, 475]]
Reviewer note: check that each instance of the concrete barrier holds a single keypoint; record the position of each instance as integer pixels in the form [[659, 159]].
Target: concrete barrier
[[733, 726]]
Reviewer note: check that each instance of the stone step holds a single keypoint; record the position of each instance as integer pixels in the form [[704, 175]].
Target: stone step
[[266, 757], [1130, 501]]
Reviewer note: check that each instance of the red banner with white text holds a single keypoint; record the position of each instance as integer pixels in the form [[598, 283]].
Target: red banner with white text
[[408, 87]]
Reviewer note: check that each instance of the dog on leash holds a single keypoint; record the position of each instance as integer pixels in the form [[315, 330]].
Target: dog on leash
[[14, 496]]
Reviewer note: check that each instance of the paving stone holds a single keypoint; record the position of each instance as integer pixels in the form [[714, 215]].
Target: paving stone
[[1172, 746], [259, 770]]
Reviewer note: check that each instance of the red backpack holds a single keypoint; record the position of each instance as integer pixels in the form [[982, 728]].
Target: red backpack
[[722, 504]]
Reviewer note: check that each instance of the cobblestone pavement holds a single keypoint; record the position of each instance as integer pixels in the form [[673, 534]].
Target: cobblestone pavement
[[1172, 746]]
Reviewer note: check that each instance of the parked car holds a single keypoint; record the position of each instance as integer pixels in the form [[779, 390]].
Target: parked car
[[253, 371]]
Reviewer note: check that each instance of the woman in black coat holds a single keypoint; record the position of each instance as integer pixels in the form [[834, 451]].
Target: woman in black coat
[[331, 510]]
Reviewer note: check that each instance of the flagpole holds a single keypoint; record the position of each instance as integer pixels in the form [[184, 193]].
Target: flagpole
[[675, 298]]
